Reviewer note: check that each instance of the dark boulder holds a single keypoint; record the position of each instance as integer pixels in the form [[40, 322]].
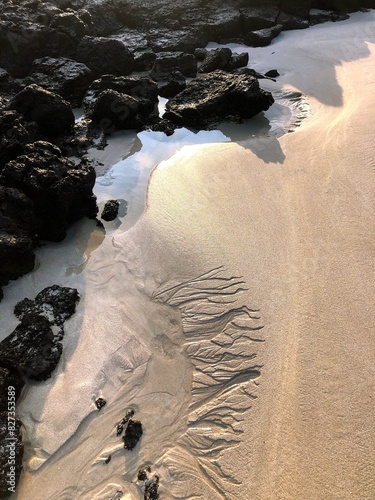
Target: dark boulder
[[238, 61], [68, 78], [69, 24], [50, 111], [222, 25], [200, 53], [181, 40], [290, 22], [172, 85], [34, 348], [106, 56], [169, 62], [257, 18], [17, 234], [262, 37], [139, 46], [60, 189], [10, 449], [217, 97], [15, 133], [216, 59], [133, 434], [272, 73], [323, 16], [116, 111], [110, 210]]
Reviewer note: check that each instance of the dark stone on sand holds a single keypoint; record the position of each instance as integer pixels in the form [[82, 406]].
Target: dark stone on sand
[[216, 59], [34, 348], [60, 189], [100, 403], [68, 78], [133, 434], [168, 62], [110, 210], [150, 483], [272, 73], [50, 111], [55, 303], [15, 447], [200, 53], [106, 56], [237, 61], [217, 97]]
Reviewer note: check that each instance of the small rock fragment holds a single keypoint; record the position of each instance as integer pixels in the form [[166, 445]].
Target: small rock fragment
[[100, 402]]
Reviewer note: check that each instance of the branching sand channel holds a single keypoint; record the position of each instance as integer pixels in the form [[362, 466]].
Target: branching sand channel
[[220, 335]]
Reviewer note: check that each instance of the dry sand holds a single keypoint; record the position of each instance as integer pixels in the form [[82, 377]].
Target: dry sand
[[165, 326]]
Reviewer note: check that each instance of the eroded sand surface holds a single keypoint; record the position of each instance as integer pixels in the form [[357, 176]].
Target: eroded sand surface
[[262, 250]]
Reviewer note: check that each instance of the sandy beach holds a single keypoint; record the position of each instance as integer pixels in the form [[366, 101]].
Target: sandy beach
[[235, 316]]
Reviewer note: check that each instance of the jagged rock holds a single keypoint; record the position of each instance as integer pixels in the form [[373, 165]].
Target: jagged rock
[[175, 83], [110, 210], [70, 24], [17, 232], [324, 16], [257, 18], [68, 78], [169, 62], [133, 434], [34, 348], [272, 73], [11, 454], [148, 483], [182, 40], [15, 133], [50, 111], [217, 97], [223, 25], [138, 87], [262, 37], [60, 189], [115, 111], [100, 403], [140, 47], [237, 61], [290, 22], [55, 303], [200, 53], [216, 59], [105, 56]]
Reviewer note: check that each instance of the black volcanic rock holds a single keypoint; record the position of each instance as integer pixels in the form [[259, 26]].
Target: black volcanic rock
[[217, 97], [237, 61], [11, 453], [60, 189], [262, 37], [216, 59], [106, 56], [172, 85], [133, 434], [110, 210], [68, 78], [34, 348], [17, 234], [169, 62], [15, 133], [52, 114]]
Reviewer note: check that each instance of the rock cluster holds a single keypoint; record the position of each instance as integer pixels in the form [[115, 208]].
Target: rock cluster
[[32, 351]]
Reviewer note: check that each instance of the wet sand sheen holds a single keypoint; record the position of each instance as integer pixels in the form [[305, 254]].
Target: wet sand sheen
[[289, 238]]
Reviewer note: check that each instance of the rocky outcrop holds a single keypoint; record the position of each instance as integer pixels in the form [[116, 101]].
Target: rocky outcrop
[[216, 59], [50, 111], [122, 102], [15, 133], [17, 234], [68, 78], [217, 97], [105, 56], [169, 62], [60, 189], [172, 84]]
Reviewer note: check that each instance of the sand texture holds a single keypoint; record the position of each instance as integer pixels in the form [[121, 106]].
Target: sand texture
[[236, 316]]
